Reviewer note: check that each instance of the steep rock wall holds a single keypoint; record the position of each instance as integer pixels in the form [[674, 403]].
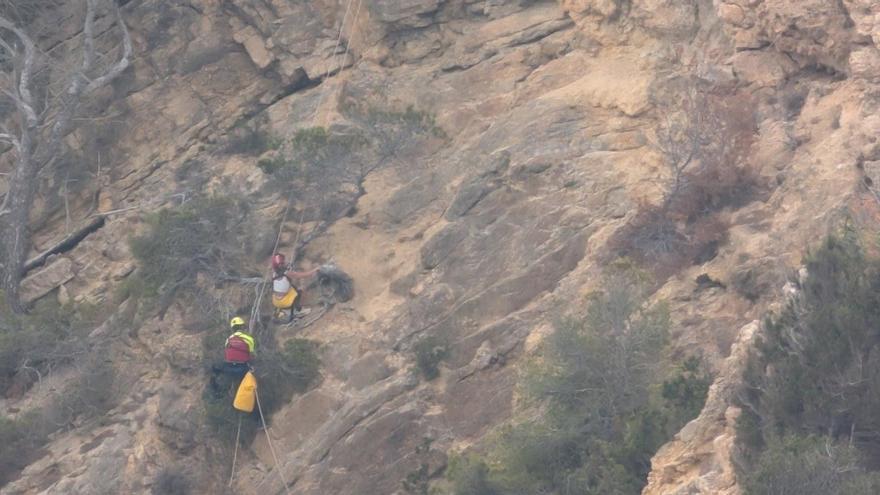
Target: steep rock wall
[[484, 239]]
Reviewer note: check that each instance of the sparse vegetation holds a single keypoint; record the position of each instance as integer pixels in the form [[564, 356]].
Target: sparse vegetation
[[188, 171], [171, 481], [250, 139], [429, 352], [20, 442], [416, 481], [809, 465], [812, 387], [314, 156], [33, 345], [604, 409], [704, 143], [392, 132], [280, 373], [33, 348], [206, 237]]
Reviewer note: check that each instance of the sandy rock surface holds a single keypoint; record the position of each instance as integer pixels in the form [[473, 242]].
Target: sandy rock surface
[[483, 236]]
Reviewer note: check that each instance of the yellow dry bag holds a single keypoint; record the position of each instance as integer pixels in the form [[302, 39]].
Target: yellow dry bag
[[246, 395], [285, 301]]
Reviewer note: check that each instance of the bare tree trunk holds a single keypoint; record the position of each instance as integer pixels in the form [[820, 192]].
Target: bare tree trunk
[[16, 232], [39, 139]]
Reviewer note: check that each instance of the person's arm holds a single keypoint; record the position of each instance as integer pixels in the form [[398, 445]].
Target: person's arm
[[301, 275]]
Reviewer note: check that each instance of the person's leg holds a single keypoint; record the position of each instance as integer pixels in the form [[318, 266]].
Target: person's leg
[[297, 302], [219, 382]]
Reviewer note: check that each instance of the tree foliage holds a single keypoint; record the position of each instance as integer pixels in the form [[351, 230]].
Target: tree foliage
[[816, 368], [33, 345], [429, 352], [809, 465], [206, 237], [605, 407]]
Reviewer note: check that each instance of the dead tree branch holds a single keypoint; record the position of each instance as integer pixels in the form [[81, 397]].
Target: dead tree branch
[[40, 125]]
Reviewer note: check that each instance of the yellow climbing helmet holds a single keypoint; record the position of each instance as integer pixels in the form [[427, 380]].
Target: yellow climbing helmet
[[236, 322]]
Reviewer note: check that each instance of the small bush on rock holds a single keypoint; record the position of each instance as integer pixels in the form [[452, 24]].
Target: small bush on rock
[[171, 481], [205, 238], [704, 142], [430, 352], [20, 442]]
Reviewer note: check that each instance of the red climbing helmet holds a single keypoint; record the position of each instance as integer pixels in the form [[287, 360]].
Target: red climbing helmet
[[278, 261]]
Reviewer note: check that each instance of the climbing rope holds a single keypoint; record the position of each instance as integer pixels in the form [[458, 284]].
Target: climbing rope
[[235, 453], [261, 288], [334, 56], [269, 441]]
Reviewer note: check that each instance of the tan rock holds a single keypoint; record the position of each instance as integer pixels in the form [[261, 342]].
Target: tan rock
[[865, 15], [764, 68], [63, 295], [668, 18], [601, 86], [699, 459], [732, 14], [602, 8], [255, 46], [864, 63], [47, 279]]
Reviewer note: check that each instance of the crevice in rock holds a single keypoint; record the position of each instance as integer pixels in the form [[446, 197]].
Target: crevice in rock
[[764, 45]]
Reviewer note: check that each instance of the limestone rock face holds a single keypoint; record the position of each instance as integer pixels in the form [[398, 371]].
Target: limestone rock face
[[812, 32], [481, 235], [698, 459], [40, 283]]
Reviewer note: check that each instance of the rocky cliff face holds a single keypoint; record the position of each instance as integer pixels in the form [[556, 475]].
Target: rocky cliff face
[[483, 236]]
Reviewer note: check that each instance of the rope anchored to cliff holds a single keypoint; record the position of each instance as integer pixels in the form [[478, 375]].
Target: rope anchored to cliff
[[329, 277]]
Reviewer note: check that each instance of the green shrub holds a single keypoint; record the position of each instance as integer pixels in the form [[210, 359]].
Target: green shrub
[[429, 352], [311, 140], [416, 481], [816, 366], [171, 481], [250, 139], [221, 419], [798, 465], [272, 164], [205, 236], [605, 408], [284, 372], [281, 373], [685, 392], [301, 363], [51, 335], [20, 442], [469, 475]]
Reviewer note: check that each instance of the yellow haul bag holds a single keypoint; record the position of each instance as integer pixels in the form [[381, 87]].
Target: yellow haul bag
[[246, 395], [285, 301]]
